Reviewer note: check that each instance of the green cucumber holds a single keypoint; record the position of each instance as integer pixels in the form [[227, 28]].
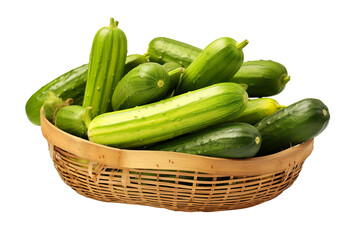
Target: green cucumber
[[264, 78], [52, 104], [69, 85], [169, 118], [106, 67], [133, 61], [146, 83], [297, 123], [257, 109], [73, 119], [231, 140], [171, 66], [163, 50], [219, 62]]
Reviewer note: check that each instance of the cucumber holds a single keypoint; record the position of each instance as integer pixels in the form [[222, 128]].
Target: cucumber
[[231, 140], [106, 67], [257, 109], [73, 119], [147, 83], [133, 61], [164, 50], [52, 104], [69, 85], [299, 122], [169, 118], [171, 66], [219, 62], [264, 78]]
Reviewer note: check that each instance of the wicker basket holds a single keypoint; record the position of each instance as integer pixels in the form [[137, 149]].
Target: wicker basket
[[176, 181]]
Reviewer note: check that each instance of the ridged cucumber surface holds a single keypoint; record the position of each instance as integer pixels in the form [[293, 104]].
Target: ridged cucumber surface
[[297, 123], [146, 83], [258, 109], [231, 140], [169, 118], [69, 85], [264, 78], [106, 67], [164, 50], [219, 62]]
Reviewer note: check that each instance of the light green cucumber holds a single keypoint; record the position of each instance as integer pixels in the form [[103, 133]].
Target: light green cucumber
[[106, 67], [164, 50], [257, 109], [219, 62], [169, 118]]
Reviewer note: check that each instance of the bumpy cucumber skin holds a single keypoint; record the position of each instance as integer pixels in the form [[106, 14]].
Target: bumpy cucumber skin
[[219, 62], [231, 140], [69, 85], [106, 68], [164, 50], [169, 118], [258, 109], [263, 77], [146, 83], [299, 122], [71, 120], [133, 61]]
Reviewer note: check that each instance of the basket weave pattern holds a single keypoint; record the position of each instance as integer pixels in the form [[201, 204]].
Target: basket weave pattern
[[175, 181]]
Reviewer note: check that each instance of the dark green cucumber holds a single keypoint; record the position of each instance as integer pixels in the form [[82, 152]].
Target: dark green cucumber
[[133, 61], [73, 119], [146, 83], [219, 62], [264, 78], [163, 50], [169, 118], [297, 123], [231, 140], [106, 67], [69, 85], [257, 109]]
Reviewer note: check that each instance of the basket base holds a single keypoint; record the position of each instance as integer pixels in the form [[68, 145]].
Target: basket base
[[171, 189]]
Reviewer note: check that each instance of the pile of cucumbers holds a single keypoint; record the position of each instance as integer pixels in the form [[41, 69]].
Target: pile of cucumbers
[[177, 97]]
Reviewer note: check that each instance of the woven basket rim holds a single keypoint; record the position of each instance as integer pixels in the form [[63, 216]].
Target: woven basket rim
[[149, 159]]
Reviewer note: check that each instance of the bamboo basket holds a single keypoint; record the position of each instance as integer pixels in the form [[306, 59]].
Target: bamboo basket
[[175, 181]]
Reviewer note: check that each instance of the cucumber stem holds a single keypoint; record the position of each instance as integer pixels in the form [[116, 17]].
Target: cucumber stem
[[242, 44], [281, 107], [176, 73], [112, 23], [284, 79], [244, 86], [175, 76], [147, 55], [278, 106], [87, 116]]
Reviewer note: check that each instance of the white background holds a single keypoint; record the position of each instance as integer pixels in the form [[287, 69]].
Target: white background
[[316, 40]]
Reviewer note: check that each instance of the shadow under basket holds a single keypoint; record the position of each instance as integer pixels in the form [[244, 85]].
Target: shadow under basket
[[175, 181]]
